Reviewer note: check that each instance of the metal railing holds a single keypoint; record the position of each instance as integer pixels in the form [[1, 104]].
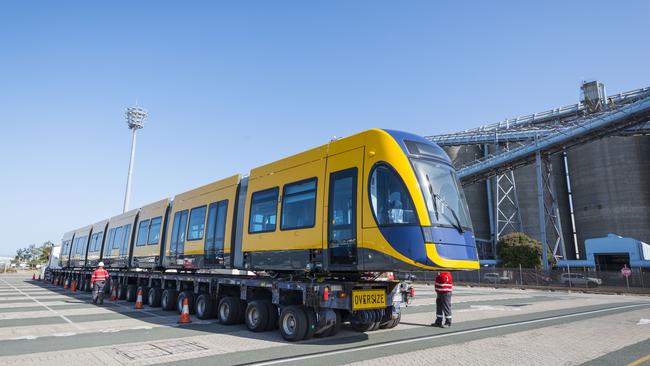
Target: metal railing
[[565, 278]]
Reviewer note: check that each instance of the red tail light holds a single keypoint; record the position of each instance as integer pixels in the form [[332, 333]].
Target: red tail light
[[326, 294]]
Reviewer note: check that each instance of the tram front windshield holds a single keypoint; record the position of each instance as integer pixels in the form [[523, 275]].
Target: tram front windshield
[[443, 194]]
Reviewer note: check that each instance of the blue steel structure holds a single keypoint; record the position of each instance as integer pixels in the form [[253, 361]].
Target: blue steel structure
[[541, 135]]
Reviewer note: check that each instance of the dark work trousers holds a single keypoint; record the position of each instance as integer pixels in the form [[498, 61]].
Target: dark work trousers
[[443, 306], [98, 291]]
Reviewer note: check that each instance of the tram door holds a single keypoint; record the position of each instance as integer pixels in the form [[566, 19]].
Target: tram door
[[177, 246], [343, 210]]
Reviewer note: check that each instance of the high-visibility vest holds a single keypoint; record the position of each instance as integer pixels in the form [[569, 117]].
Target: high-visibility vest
[[443, 282]]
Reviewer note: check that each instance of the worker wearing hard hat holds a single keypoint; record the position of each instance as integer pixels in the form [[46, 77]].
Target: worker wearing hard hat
[[444, 288], [98, 281]]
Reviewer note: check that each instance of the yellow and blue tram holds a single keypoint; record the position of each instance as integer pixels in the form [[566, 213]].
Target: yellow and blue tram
[[377, 201]]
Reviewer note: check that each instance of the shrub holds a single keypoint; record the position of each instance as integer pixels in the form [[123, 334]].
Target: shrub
[[519, 249]]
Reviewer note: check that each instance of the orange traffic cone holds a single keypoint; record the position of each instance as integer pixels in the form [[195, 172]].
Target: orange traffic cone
[[185, 313], [33, 276], [74, 286], [66, 283], [138, 301], [114, 294]]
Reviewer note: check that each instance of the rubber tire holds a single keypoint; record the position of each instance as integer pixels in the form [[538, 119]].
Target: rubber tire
[[168, 299], [190, 301], [313, 322], [375, 326], [153, 297], [205, 308], [273, 315], [300, 323], [334, 329], [362, 327], [391, 323], [145, 294], [262, 310], [131, 293], [121, 292], [228, 310]]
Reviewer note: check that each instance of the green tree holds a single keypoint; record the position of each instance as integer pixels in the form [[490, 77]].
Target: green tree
[[45, 251], [519, 249]]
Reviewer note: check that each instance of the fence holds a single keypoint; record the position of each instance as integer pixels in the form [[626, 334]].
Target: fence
[[578, 278]]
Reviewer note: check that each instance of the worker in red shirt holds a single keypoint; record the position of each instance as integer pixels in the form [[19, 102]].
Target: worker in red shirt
[[444, 288], [98, 281]]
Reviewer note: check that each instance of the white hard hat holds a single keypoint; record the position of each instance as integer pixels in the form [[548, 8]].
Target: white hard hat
[[101, 264]]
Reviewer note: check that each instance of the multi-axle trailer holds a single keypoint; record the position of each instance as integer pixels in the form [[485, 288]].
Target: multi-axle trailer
[[300, 308]]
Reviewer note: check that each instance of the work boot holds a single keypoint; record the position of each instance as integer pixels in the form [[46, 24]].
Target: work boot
[[447, 323], [437, 323]]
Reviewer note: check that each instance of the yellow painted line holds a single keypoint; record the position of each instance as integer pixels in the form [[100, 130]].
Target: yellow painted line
[[639, 361]]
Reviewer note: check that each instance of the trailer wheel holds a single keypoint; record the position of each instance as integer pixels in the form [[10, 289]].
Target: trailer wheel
[[334, 329], [189, 295], [312, 322], [131, 293], [229, 310], [168, 299], [293, 323], [256, 316], [392, 323], [121, 292], [205, 308], [153, 297], [273, 315], [364, 327]]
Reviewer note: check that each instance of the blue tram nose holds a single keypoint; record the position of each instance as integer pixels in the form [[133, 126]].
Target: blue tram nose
[[450, 244]]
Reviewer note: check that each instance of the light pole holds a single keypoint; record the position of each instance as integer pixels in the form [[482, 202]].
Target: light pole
[[135, 119]]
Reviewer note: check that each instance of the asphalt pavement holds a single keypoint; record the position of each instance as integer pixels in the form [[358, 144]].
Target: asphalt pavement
[[42, 324]]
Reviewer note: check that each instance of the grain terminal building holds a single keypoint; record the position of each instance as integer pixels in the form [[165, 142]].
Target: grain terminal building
[[597, 187]]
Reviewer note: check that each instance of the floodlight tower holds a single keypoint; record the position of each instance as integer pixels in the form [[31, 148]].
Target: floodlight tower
[[135, 120]]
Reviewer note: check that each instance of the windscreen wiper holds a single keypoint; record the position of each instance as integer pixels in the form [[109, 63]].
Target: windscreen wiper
[[458, 225], [434, 197]]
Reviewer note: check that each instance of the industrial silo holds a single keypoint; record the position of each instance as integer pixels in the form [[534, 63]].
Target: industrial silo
[[610, 179]]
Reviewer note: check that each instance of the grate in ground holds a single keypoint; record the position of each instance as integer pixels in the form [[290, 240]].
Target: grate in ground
[[152, 350]]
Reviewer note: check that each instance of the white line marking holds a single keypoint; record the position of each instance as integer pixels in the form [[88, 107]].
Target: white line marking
[[64, 334], [141, 311], [643, 322], [24, 337], [406, 341], [45, 306]]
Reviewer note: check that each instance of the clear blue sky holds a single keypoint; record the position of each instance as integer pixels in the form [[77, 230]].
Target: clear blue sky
[[232, 85]]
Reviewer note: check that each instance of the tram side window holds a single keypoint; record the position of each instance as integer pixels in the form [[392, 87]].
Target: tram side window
[[94, 242], [109, 242], [390, 201], [215, 233], [264, 209], [126, 239], [82, 245], [299, 205], [143, 233], [119, 235], [196, 227], [154, 231], [98, 238], [178, 232]]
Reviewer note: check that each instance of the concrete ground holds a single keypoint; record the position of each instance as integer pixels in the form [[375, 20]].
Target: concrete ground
[[41, 324]]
